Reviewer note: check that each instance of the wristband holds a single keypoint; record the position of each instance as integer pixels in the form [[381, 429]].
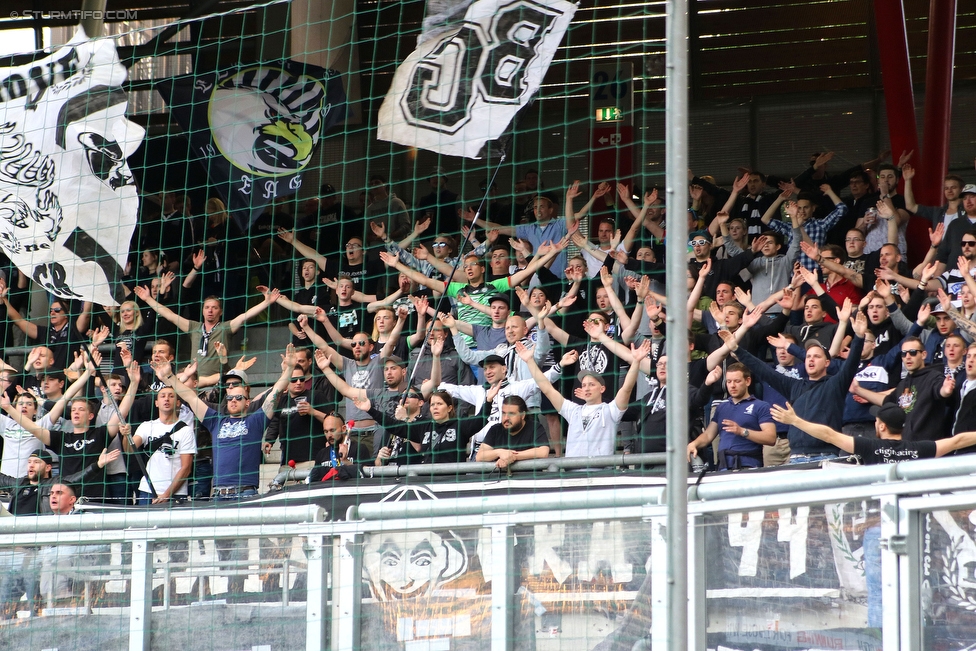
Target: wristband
[[921, 285]]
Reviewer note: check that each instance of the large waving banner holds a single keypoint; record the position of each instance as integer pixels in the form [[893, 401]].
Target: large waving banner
[[256, 127], [68, 202], [471, 73]]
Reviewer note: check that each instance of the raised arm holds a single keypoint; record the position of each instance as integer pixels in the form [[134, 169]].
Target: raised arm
[[638, 354], [455, 325], [545, 385], [270, 298], [787, 416], [164, 371], [394, 263], [302, 248], [181, 323], [287, 366], [420, 306], [40, 433], [309, 331], [28, 328], [130, 395], [430, 384], [324, 362]]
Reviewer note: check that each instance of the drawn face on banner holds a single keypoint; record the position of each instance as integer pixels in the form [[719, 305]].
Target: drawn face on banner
[[402, 564]]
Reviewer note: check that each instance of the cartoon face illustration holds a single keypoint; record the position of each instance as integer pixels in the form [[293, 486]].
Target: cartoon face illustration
[[404, 564]]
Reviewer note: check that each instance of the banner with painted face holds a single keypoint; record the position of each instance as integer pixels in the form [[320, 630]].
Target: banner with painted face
[[255, 128], [68, 202]]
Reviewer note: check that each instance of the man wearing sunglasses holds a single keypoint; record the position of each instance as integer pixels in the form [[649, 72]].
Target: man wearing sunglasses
[[722, 270], [237, 437], [923, 394], [60, 335], [298, 418]]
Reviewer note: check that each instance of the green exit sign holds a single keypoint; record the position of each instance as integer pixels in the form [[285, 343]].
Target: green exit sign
[[612, 114]]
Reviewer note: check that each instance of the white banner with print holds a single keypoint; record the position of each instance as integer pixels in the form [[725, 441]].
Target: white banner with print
[[467, 79], [68, 202]]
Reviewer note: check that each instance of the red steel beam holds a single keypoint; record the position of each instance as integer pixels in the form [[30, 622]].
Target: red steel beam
[[896, 76], [938, 102]]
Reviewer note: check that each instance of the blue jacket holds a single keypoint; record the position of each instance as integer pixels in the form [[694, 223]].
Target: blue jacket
[[820, 401]]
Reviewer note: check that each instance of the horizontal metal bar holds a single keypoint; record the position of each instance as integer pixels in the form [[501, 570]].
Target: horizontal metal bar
[[805, 480], [158, 519], [505, 503], [487, 467]]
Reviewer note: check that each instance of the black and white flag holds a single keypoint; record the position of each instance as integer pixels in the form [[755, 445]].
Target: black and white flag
[[476, 65], [255, 128], [68, 203]]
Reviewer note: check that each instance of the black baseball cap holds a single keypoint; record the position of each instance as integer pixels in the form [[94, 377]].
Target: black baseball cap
[[492, 359], [891, 415], [43, 455]]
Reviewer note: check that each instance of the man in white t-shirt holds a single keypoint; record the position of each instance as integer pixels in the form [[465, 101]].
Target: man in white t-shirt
[[173, 445], [18, 443], [592, 426]]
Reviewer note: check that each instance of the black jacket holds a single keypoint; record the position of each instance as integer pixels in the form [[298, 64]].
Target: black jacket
[[925, 409]]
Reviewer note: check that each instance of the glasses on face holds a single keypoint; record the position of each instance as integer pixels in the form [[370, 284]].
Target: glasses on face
[[968, 243], [698, 242], [235, 398], [231, 385], [357, 344], [353, 247], [56, 310], [470, 265], [911, 352], [854, 239], [296, 380], [595, 320], [439, 245]]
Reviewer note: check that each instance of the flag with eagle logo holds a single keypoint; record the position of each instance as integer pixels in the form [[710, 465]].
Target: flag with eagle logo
[[68, 202], [255, 127]]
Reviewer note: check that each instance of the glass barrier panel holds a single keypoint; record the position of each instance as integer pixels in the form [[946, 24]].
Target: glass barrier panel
[[948, 578], [794, 578]]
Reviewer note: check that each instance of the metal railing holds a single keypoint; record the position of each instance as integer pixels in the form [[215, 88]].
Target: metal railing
[[334, 551]]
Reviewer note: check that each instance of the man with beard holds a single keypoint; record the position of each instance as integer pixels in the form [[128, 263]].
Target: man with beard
[[336, 447], [515, 331], [237, 436], [30, 494], [384, 398], [295, 424], [362, 372], [516, 438]]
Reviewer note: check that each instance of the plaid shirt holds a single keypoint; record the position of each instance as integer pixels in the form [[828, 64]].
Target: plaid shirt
[[816, 230]]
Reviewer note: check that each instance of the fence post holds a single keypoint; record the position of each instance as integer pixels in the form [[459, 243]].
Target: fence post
[[502, 587], [697, 610], [140, 596], [316, 600], [659, 584], [347, 590]]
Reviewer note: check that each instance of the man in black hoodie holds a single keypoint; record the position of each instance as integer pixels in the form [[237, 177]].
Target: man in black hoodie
[[923, 395], [819, 398]]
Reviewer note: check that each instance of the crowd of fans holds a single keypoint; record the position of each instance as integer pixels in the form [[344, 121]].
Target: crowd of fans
[[419, 338]]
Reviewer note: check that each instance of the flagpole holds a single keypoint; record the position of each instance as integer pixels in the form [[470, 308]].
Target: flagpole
[[89, 22], [454, 269], [118, 413]]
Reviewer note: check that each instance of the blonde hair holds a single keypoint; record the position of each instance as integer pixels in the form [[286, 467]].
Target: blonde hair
[[136, 322], [216, 211]]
